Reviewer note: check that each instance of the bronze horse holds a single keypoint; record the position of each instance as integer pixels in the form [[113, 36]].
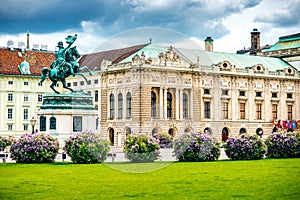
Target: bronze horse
[[62, 71]]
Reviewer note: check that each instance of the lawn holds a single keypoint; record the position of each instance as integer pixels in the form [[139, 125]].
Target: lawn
[[260, 179]]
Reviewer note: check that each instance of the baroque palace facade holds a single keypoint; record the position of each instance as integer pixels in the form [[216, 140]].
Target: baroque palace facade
[[148, 89]]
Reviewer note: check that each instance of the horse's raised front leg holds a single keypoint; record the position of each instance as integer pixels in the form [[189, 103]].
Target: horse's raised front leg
[[85, 67], [65, 85], [52, 87]]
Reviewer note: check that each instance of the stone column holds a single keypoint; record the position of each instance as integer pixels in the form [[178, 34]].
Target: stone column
[[181, 103], [177, 104], [165, 103], [161, 103], [191, 113]]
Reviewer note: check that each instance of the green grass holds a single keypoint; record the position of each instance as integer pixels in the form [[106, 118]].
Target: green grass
[[261, 179]]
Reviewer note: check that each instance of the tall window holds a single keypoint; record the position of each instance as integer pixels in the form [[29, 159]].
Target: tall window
[[40, 98], [111, 106], [169, 105], [153, 104], [42, 123], [258, 94], [10, 82], [10, 97], [225, 110], [10, 127], [9, 113], [242, 93], [258, 111], [206, 91], [26, 97], [120, 106], [185, 105], [290, 112], [52, 123], [242, 111], [274, 111], [206, 109], [289, 95], [25, 114], [128, 103], [25, 126], [96, 96]]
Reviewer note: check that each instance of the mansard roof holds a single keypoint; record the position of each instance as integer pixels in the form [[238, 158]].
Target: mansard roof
[[11, 59], [94, 60], [286, 42], [208, 58]]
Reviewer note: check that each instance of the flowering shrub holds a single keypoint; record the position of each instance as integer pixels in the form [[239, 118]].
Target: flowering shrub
[[141, 148], [165, 140], [7, 141], [245, 147], [34, 148], [87, 147], [283, 145], [196, 147]]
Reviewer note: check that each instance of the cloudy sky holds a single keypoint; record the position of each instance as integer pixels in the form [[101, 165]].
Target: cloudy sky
[[105, 24]]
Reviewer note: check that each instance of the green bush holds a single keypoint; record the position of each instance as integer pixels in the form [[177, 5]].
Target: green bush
[[283, 145], [6, 141], [245, 147], [196, 147], [87, 147], [35, 148], [141, 148], [165, 140]]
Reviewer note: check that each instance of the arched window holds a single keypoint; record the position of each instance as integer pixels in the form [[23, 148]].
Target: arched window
[[187, 130], [172, 132], [185, 105], [52, 123], [111, 134], [128, 131], [207, 130], [120, 106], [128, 103], [169, 105], [111, 106], [42, 123], [225, 134], [243, 130], [259, 131], [155, 130], [153, 104]]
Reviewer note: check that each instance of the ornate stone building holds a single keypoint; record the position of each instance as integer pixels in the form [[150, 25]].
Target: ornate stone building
[[148, 89]]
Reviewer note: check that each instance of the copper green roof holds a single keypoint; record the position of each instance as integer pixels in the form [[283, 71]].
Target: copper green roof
[[208, 58], [286, 42]]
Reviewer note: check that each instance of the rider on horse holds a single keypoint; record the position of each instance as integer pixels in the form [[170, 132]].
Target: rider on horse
[[61, 61]]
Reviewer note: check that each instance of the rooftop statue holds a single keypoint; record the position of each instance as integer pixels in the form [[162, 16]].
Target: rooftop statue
[[65, 65]]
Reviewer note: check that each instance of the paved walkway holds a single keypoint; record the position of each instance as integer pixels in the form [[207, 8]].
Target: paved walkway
[[166, 155]]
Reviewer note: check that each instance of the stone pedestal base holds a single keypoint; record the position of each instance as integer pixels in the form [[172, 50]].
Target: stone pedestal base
[[62, 115]]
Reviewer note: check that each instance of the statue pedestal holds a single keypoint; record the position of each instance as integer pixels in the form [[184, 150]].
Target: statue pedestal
[[62, 115]]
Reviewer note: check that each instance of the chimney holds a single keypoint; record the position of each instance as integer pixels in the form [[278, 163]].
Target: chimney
[[255, 42], [27, 46], [209, 44]]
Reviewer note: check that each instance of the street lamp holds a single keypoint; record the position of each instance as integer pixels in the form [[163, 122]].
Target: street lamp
[[32, 122]]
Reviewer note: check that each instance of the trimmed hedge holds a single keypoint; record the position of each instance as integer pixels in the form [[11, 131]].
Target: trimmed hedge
[[141, 148], [87, 147], [245, 147], [283, 145], [35, 148], [196, 147]]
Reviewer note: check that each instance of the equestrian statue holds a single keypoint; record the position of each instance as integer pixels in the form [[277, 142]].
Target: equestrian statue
[[65, 65]]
